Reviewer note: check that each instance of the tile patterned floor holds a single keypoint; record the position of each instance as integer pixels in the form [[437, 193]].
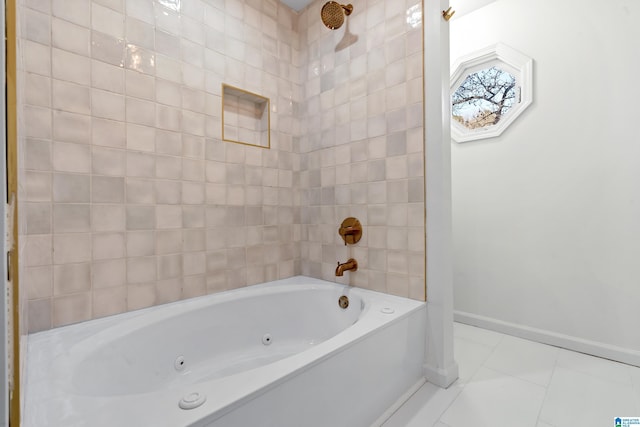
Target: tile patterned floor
[[510, 381]]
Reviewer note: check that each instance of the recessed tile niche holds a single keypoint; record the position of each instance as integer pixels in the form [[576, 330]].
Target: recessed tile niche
[[245, 117]]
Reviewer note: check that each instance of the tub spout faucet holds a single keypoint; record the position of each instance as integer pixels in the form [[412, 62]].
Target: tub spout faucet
[[351, 264]]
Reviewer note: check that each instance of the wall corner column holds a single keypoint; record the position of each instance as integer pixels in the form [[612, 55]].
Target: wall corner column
[[440, 366]]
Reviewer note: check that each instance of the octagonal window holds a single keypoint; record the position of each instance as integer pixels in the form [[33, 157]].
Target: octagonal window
[[489, 90], [484, 97]]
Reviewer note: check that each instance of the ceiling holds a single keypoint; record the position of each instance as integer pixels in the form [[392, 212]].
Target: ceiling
[[297, 5]]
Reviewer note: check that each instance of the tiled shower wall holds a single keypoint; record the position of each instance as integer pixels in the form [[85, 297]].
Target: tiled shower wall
[[129, 197], [362, 149]]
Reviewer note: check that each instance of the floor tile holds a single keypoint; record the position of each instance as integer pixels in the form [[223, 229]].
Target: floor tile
[[635, 378], [524, 359], [425, 407], [477, 335], [591, 365], [470, 356], [577, 399], [635, 375], [526, 383], [490, 397]]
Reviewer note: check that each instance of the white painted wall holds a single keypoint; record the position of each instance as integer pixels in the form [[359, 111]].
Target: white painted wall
[[546, 218]]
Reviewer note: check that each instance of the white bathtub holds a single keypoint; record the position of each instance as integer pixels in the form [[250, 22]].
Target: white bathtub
[[278, 354]]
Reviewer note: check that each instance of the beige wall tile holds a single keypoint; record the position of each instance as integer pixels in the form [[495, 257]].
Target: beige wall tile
[[40, 280], [106, 76], [69, 157], [168, 216], [38, 186], [107, 49], [71, 97], [37, 58], [107, 189], [168, 167], [108, 217], [193, 240], [137, 84], [141, 217], [38, 216], [70, 37], [140, 191], [398, 285], [71, 278], [194, 263], [169, 143], [108, 273], [68, 188], [107, 21], [107, 105], [141, 269], [168, 118], [193, 217], [76, 11], [69, 218], [70, 67], [108, 133], [168, 192], [417, 287], [38, 250], [141, 164], [141, 296], [398, 191], [397, 214], [192, 193], [139, 59], [141, 112], [39, 314], [107, 161], [37, 90], [168, 290], [141, 243], [71, 248], [169, 266], [168, 241], [194, 286], [108, 246], [107, 302], [38, 155], [72, 308]]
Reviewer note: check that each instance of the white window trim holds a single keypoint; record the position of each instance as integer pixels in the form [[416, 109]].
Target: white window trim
[[506, 58]]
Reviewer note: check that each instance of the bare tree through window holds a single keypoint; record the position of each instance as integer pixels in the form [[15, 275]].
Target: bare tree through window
[[484, 97]]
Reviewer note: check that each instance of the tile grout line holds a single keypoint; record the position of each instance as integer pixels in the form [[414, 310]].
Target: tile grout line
[[546, 390]]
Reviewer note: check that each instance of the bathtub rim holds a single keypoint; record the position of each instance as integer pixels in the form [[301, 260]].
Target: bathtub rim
[[107, 321]]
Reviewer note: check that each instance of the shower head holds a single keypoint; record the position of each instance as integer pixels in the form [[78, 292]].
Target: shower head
[[333, 14]]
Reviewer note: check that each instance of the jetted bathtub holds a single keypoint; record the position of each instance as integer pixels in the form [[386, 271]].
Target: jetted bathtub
[[279, 354]]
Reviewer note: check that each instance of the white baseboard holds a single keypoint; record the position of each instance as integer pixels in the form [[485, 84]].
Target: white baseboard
[[398, 403], [595, 348], [441, 377]]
